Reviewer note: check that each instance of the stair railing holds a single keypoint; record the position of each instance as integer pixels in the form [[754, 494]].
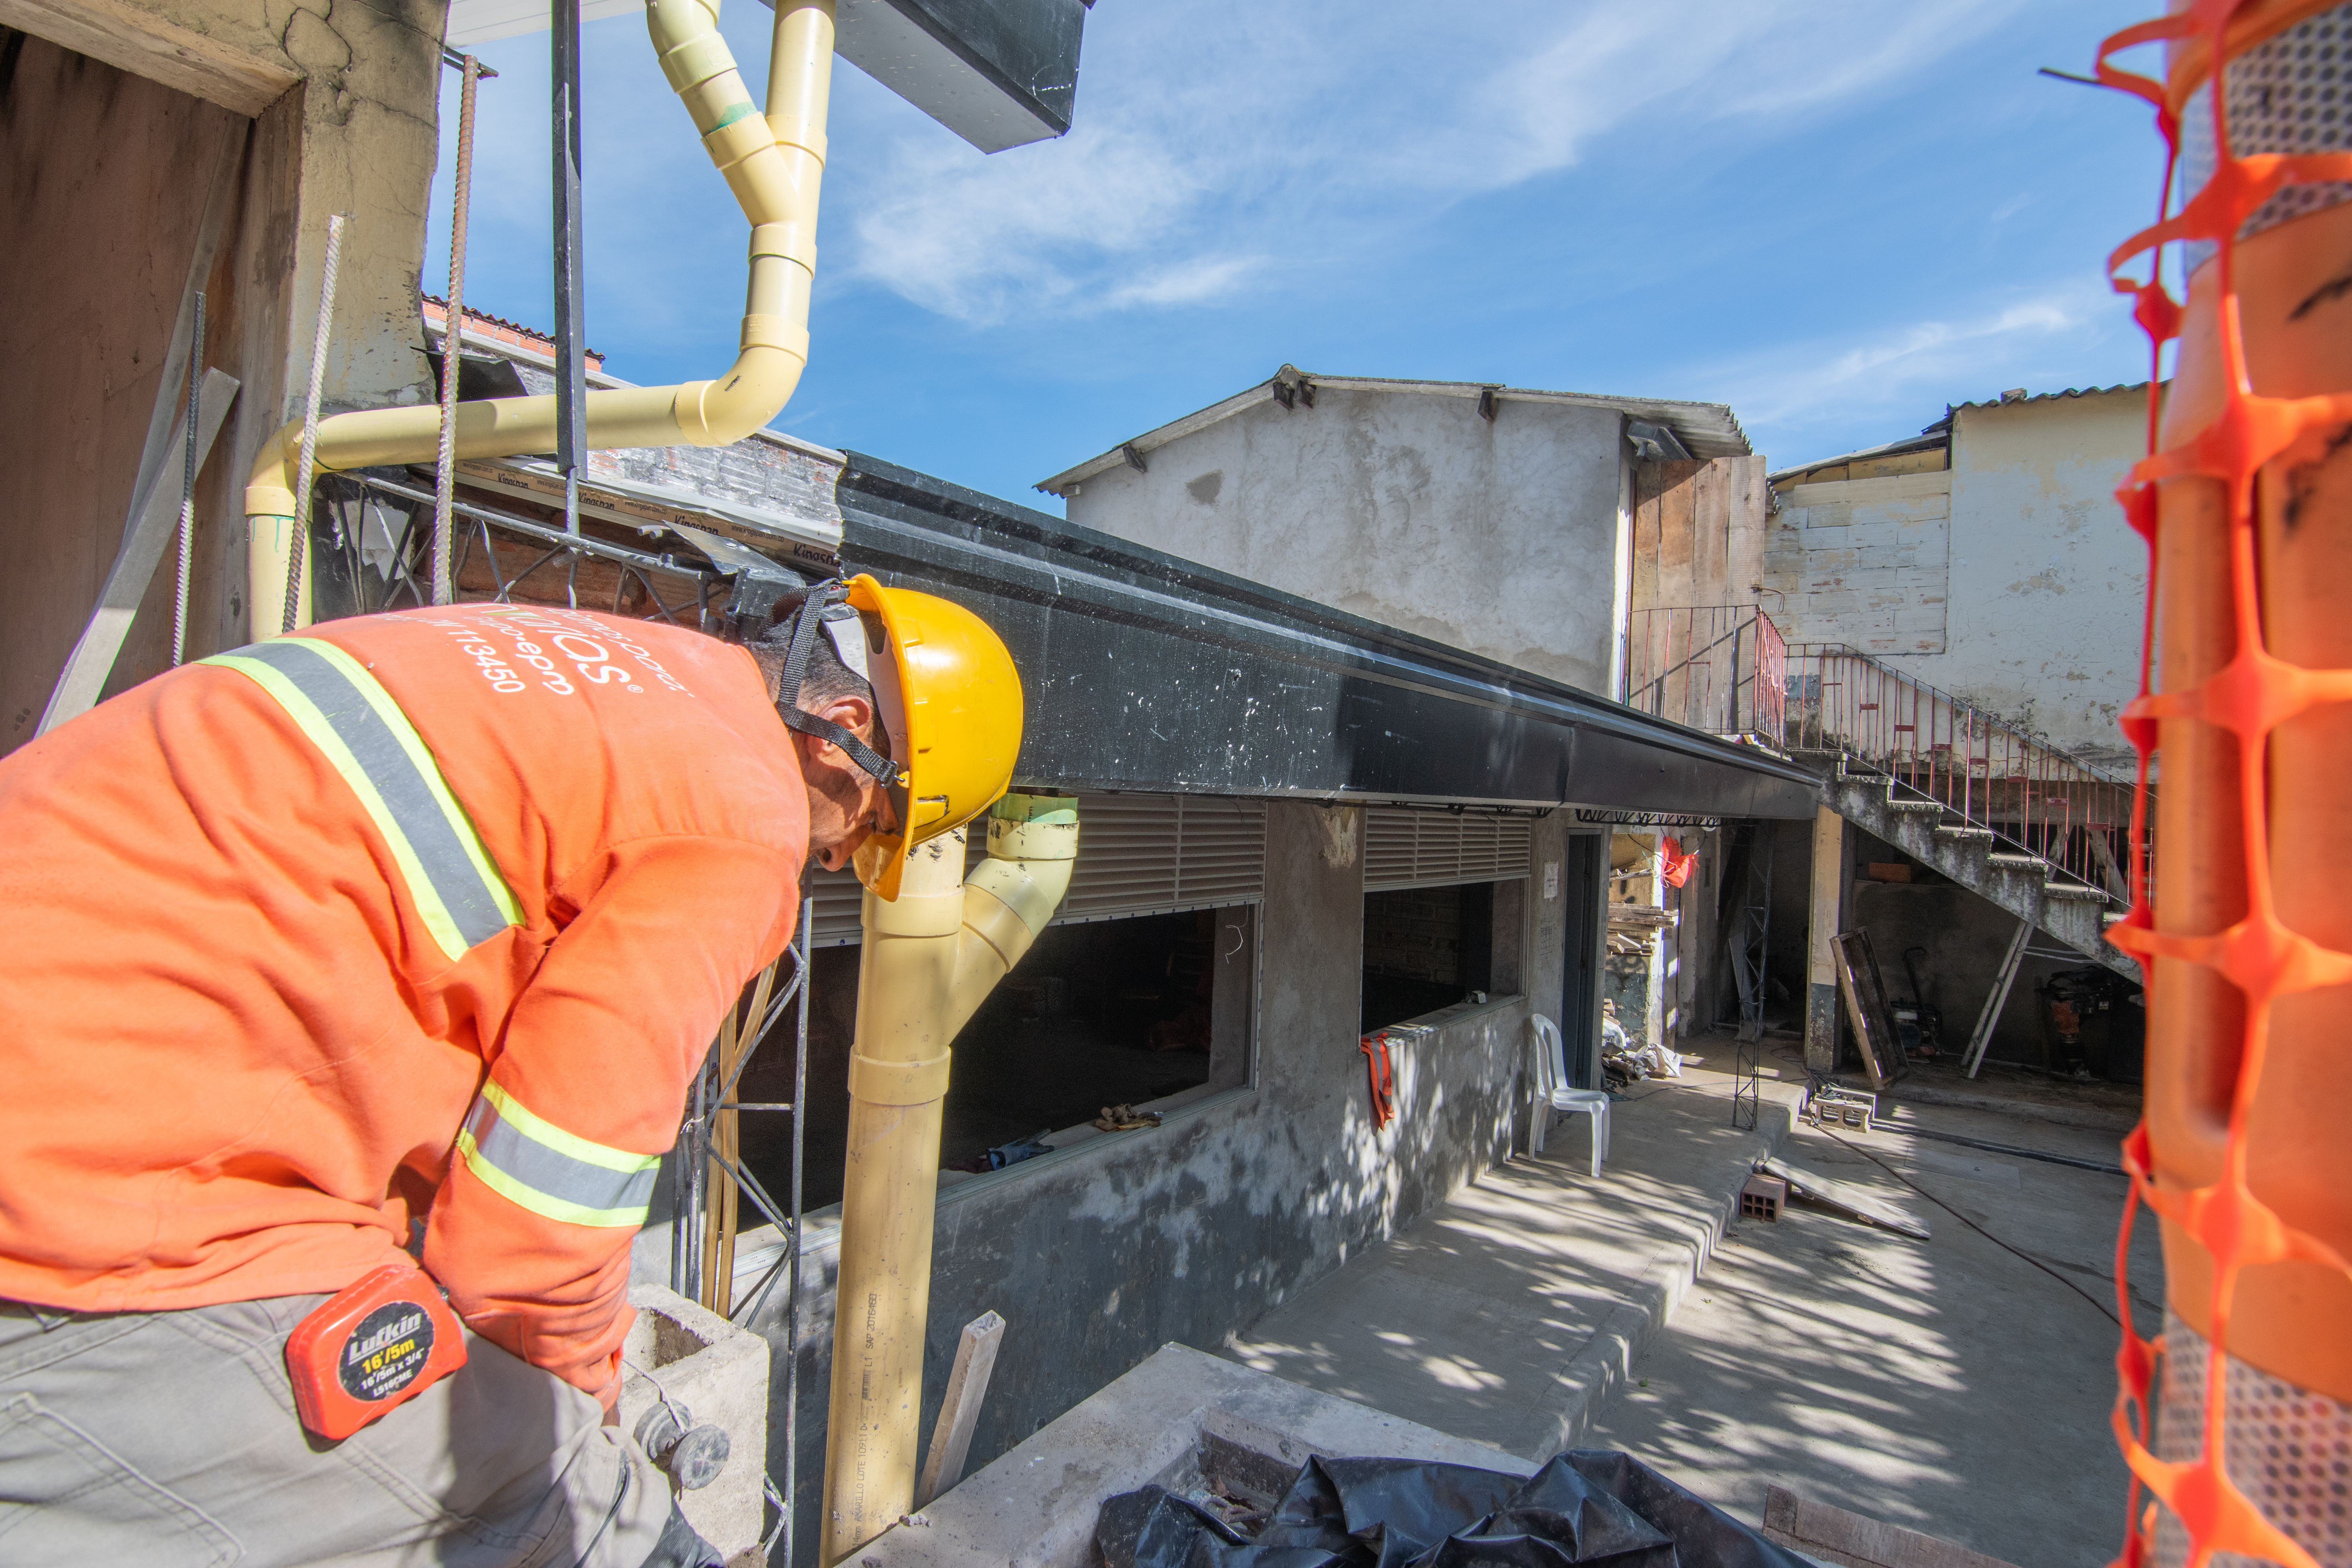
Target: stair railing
[[1983, 769], [1717, 667]]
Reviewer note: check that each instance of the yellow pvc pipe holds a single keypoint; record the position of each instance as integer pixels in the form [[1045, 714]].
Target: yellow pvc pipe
[[773, 162], [930, 957]]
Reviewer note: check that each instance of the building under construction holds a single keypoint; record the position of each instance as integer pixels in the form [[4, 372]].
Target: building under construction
[[1400, 832]]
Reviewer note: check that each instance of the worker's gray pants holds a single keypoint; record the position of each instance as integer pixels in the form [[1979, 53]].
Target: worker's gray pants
[[169, 1439]]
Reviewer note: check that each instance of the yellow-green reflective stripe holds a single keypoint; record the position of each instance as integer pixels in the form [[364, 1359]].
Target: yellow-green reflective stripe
[[363, 734], [531, 1161]]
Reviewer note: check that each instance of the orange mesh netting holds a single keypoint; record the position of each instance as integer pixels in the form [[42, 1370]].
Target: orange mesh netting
[[2249, 697]]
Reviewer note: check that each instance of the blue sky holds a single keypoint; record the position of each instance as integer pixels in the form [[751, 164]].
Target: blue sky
[[1836, 217]]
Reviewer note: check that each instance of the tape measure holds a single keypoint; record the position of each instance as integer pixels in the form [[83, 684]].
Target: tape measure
[[379, 1342]]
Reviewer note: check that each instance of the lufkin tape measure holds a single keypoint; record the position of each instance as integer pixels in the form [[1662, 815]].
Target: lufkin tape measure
[[381, 1342]]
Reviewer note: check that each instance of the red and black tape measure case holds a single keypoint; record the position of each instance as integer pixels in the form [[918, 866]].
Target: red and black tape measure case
[[378, 1343]]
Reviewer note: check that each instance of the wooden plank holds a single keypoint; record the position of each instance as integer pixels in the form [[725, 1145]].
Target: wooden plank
[[1748, 526], [959, 1407], [1645, 537], [1845, 1196], [92, 659], [1674, 506], [1865, 1002], [1855, 1540], [1711, 534], [135, 40]]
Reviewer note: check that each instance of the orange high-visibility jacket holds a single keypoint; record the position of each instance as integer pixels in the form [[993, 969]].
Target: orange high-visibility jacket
[[434, 912]]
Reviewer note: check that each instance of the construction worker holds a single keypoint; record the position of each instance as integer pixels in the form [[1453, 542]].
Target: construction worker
[[400, 940]]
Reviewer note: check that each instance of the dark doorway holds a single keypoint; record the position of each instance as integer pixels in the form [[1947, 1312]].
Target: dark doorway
[[1582, 883]]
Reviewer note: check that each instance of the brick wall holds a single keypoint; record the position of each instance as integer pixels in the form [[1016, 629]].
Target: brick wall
[[1866, 563], [1415, 933]]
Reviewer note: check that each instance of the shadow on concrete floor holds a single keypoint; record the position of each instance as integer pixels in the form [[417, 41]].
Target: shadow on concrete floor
[[1951, 1385], [1507, 1314], [1948, 1385]]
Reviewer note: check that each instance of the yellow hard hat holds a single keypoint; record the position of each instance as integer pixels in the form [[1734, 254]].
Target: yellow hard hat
[[958, 725]]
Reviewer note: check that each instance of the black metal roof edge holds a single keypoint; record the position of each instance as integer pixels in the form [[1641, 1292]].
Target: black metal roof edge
[[907, 496]]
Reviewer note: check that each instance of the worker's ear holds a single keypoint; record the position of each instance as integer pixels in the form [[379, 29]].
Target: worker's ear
[[852, 714]]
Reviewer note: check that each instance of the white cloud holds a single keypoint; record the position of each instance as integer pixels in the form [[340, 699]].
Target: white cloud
[[1210, 136], [1838, 383]]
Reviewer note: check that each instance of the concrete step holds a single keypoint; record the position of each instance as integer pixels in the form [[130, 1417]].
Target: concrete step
[[2005, 861], [1967, 835], [1923, 807], [2074, 891]]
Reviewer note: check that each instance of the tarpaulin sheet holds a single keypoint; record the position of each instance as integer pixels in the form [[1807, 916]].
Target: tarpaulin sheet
[[1586, 1506]]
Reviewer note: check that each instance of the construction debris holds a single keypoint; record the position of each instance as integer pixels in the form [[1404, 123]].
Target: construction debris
[[1843, 1195], [1851, 1539]]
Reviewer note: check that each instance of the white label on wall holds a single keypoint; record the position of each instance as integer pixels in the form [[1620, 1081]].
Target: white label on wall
[[1551, 879]]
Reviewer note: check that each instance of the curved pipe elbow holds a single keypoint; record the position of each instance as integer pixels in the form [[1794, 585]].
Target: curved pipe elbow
[[1010, 897], [774, 164]]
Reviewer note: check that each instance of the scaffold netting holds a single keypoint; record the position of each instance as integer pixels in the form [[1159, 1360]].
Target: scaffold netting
[[2244, 1506]]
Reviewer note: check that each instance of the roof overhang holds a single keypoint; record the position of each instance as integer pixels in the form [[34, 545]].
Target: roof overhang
[[1144, 672], [1704, 430], [998, 73]]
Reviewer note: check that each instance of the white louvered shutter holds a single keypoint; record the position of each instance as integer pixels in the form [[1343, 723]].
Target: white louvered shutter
[[1438, 848], [1138, 854]]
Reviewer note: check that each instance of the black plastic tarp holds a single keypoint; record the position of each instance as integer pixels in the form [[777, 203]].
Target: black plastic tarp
[[1585, 1506]]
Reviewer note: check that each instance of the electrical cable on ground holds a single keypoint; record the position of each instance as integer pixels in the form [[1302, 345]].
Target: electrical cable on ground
[[2079, 1165], [1981, 1230]]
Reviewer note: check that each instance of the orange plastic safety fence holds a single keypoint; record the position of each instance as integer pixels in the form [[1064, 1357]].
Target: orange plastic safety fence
[[2250, 697]]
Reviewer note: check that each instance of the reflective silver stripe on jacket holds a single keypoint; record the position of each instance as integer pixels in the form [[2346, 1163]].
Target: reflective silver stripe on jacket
[[353, 721]]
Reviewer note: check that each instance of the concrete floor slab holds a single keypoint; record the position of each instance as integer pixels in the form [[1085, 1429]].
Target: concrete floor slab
[[1951, 1386], [1508, 1314]]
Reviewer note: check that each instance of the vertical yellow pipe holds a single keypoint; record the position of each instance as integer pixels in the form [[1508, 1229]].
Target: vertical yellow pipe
[[774, 169], [931, 957]]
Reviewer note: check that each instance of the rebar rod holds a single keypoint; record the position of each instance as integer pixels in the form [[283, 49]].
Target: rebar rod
[[298, 552], [187, 551], [453, 335]]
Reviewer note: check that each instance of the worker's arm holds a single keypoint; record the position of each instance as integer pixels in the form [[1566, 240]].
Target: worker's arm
[[531, 1233]]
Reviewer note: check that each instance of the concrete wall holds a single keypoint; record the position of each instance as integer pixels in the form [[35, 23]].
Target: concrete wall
[[115, 115], [2008, 579], [1507, 538], [2048, 585], [1100, 1253], [1865, 563]]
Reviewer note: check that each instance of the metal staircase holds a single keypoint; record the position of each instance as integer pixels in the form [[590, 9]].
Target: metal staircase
[[2001, 811]]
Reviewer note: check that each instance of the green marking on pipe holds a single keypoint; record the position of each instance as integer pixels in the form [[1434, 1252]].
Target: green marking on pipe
[[1057, 809], [729, 115]]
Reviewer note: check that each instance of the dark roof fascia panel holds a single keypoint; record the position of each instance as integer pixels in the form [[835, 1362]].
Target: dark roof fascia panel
[[1145, 672]]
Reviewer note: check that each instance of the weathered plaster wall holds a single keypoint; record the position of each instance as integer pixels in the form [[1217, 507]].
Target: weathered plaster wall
[[2047, 584], [1865, 563], [1099, 1254], [1505, 537]]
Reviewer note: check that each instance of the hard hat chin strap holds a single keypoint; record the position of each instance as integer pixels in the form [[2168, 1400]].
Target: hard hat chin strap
[[787, 690]]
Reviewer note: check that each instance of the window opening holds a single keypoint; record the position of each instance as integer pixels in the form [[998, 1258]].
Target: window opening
[[1137, 1011], [1427, 948]]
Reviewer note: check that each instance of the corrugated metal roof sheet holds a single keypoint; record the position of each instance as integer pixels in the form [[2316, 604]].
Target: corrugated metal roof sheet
[[1705, 429], [2054, 397], [1936, 434], [1940, 432]]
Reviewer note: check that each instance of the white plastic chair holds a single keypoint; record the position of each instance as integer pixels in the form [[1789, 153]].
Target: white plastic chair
[[1552, 1097]]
